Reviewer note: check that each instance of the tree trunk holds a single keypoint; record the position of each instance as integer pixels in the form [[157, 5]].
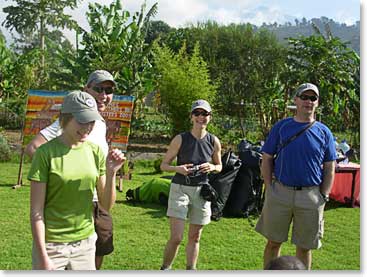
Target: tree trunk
[[42, 46]]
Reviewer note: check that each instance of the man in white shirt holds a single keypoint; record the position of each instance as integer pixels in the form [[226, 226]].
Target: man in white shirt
[[101, 86]]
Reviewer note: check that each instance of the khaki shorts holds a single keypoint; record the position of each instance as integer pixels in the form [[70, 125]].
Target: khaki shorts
[[104, 229], [77, 255], [185, 202], [283, 205]]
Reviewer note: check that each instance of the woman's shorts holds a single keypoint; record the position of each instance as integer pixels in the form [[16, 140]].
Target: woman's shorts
[[185, 202], [76, 255]]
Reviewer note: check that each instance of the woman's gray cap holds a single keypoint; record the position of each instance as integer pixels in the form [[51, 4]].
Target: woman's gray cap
[[82, 106], [306, 86], [201, 104], [100, 76]]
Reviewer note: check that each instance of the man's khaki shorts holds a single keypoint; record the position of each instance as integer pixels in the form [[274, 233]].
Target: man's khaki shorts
[[77, 255], [283, 205], [185, 202]]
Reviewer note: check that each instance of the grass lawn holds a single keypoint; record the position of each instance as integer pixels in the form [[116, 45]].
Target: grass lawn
[[141, 231]]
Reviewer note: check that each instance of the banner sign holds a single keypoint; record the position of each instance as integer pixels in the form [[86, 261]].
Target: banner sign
[[43, 108]]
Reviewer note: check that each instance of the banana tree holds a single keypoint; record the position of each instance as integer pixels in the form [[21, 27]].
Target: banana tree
[[116, 42]]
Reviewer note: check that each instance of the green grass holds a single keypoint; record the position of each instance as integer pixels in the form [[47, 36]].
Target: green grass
[[141, 231]]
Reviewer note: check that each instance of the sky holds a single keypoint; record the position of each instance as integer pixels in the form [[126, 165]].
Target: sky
[[178, 13]]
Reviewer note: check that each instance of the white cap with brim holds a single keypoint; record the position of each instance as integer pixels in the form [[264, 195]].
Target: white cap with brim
[[82, 106], [306, 86], [100, 76], [201, 104]]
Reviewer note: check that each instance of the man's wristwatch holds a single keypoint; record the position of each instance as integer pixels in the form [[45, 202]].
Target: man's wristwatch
[[325, 196]]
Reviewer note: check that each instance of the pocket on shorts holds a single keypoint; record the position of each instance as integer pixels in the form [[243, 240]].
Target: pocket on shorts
[[175, 188], [269, 188], [322, 200]]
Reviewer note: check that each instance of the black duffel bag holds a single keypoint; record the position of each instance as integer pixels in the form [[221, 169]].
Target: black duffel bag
[[222, 182]]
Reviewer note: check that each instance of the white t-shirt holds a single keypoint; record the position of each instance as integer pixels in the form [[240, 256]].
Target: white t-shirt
[[97, 136]]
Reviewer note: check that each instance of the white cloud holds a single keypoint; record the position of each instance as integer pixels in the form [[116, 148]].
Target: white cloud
[[231, 4], [178, 13], [346, 17], [225, 16], [263, 14]]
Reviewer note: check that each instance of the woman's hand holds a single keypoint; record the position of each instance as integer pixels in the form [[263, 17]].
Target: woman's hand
[[184, 169], [115, 160], [207, 167], [46, 264]]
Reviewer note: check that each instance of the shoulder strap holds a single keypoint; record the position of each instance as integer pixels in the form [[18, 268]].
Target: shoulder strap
[[292, 138]]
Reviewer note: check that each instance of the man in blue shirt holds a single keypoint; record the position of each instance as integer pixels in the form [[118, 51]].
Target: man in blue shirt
[[298, 180]]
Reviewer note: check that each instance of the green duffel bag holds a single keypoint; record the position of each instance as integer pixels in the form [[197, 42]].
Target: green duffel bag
[[154, 191]]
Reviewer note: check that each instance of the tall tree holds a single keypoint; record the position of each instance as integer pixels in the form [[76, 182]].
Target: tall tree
[[245, 64], [334, 67], [158, 30], [116, 42], [7, 59], [30, 16]]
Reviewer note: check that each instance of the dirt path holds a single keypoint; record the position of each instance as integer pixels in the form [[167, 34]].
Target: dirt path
[[13, 136], [135, 151]]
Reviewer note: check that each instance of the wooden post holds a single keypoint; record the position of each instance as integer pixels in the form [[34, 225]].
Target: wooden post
[[20, 172], [124, 175], [120, 179], [20, 182]]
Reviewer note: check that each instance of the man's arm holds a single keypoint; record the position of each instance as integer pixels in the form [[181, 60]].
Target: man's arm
[[36, 142], [267, 169], [46, 134], [328, 177]]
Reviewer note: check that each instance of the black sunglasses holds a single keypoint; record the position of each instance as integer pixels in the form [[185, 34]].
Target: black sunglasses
[[107, 90], [203, 113], [313, 98]]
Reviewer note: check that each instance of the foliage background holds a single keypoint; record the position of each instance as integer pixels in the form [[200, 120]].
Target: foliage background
[[254, 70]]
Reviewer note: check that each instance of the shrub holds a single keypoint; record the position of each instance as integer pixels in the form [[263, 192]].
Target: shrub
[[183, 78], [5, 152], [157, 165]]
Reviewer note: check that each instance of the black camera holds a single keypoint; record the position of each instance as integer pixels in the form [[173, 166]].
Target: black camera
[[208, 193], [194, 170]]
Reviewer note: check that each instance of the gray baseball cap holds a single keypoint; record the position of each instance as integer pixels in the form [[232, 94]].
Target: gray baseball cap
[[100, 76], [201, 104], [82, 106], [306, 86]]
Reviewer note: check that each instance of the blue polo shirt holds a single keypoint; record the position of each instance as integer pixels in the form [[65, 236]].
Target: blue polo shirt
[[300, 162]]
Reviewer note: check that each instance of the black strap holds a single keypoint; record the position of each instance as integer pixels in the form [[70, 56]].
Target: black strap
[[292, 138]]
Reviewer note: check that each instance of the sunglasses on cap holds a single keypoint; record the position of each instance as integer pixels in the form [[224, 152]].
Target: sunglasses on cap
[[203, 113], [107, 90], [303, 97]]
